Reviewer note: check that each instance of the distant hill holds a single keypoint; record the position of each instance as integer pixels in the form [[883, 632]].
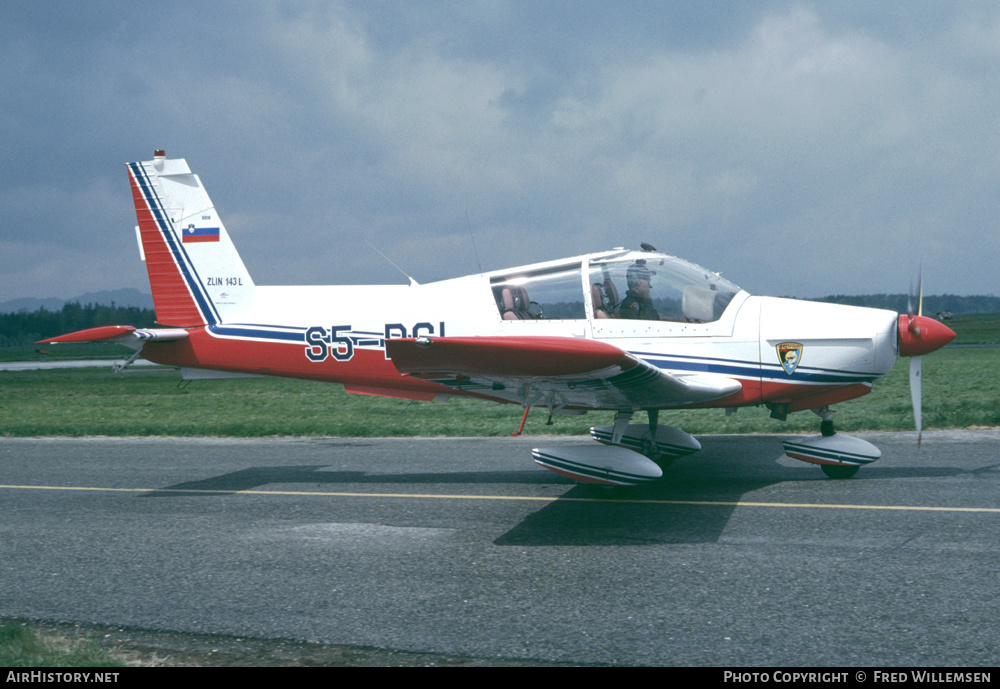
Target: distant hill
[[118, 297]]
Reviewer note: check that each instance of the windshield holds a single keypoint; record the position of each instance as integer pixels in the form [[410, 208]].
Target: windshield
[[652, 286]]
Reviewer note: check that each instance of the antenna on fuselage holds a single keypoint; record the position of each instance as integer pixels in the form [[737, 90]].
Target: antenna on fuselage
[[474, 249], [413, 283]]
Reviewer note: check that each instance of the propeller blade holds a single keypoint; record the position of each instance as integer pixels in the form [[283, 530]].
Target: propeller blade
[[915, 385], [917, 335], [920, 293]]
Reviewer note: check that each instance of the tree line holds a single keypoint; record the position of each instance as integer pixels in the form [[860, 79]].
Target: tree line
[[933, 304], [25, 328]]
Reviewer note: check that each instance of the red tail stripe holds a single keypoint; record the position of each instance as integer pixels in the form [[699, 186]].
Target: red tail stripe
[[171, 296]]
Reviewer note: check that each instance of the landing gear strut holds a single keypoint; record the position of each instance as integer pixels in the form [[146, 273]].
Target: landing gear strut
[[661, 444], [826, 425], [650, 449], [826, 429]]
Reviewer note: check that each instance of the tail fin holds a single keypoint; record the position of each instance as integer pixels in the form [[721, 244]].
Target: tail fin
[[195, 273]]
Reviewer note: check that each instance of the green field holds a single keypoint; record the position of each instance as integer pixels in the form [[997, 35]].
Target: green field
[[976, 328], [961, 390], [23, 646]]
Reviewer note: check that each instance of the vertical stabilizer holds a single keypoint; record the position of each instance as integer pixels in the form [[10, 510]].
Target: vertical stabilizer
[[195, 273]]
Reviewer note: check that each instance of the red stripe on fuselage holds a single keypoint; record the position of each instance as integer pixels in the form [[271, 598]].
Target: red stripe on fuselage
[[368, 371], [813, 395], [798, 396]]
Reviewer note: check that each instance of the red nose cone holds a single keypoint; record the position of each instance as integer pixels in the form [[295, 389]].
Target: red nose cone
[[922, 335]]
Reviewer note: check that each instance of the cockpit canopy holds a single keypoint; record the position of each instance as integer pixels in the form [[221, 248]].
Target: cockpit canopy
[[626, 285]]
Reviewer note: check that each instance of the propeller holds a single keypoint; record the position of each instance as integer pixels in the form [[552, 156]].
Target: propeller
[[919, 335], [916, 362]]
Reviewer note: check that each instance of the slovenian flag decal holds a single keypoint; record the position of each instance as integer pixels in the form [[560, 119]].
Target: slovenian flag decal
[[192, 234]]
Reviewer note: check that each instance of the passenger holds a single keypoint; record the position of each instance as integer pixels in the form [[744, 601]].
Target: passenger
[[637, 303]]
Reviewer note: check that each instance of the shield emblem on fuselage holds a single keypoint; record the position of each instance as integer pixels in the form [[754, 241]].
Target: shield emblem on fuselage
[[789, 355]]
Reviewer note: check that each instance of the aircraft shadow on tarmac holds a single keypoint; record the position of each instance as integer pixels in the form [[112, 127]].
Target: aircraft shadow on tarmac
[[255, 478], [585, 515], [663, 512]]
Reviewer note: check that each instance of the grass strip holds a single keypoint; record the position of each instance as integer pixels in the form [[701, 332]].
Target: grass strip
[[22, 646]]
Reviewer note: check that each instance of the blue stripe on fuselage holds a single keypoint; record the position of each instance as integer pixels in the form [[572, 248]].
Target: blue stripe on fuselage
[[288, 333], [753, 369]]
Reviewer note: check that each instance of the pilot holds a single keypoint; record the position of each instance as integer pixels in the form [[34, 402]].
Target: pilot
[[637, 303]]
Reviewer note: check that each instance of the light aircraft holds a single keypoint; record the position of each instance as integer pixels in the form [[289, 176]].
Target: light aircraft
[[620, 331]]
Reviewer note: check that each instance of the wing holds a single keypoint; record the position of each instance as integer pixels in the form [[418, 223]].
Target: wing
[[554, 371]]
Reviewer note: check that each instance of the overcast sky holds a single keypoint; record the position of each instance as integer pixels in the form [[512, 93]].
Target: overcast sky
[[799, 148]]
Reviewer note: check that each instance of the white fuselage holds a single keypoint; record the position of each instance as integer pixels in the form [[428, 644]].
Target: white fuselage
[[826, 346]]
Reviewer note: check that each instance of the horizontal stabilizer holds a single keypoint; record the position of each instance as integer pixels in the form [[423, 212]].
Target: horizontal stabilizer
[[127, 335]]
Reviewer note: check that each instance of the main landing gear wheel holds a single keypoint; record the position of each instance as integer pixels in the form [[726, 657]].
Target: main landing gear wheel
[[839, 456], [839, 471]]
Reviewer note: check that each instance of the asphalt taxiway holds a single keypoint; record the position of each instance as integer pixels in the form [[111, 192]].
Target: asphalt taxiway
[[739, 557]]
